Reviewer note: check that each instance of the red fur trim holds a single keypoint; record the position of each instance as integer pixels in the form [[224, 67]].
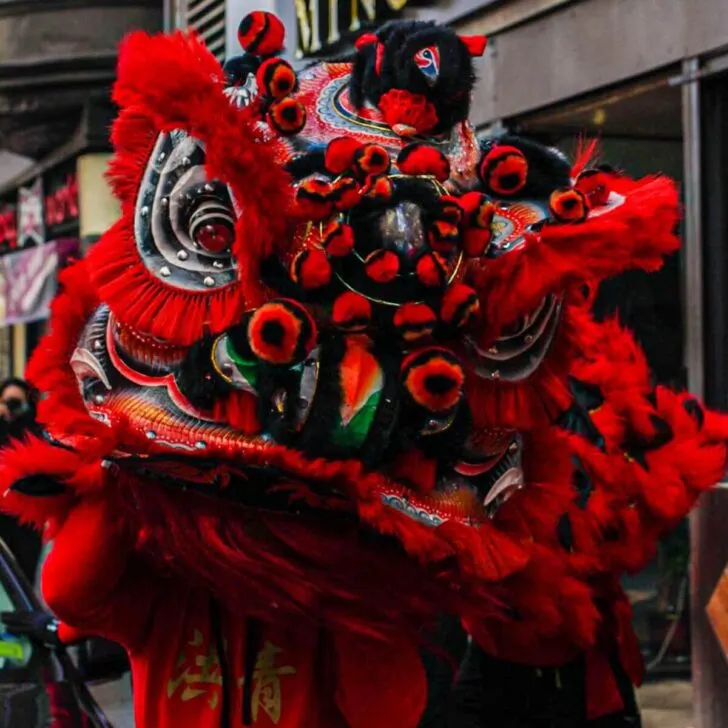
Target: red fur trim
[[174, 82], [636, 234]]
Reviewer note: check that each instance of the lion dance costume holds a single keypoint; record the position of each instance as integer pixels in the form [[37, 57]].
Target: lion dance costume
[[333, 374]]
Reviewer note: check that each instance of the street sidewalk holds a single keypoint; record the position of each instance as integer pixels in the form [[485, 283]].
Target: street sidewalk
[[666, 704]]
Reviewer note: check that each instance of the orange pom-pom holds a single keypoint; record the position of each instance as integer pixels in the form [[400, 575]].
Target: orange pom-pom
[[382, 266], [276, 78], [286, 116], [568, 205], [443, 236], [422, 159], [311, 269], [378, 188], [339, 157], [338, 239], [371, 159], [504, 170], [351, 312], [431, 271], [261, 34], [460, 305], [434, 378], [281, 332], [414, 321]]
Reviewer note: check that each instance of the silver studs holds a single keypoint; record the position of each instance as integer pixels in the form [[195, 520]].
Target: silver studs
[[162, 156], [495, 374], [200, 444], [151, 435], [144, 211], [164, 201], [99, 399], [98, 345], [209, 188], [209, 281], [528, 339], [493, 350], [186, 161], [165, 271], [218, 264], [182, 255], [513, 447]]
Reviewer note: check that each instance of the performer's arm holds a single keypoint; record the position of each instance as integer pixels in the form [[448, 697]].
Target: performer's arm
[[91, 579]]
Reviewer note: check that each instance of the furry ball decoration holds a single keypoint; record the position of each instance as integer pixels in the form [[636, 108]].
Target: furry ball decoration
[[346, 193], [338, 239], [314, 199], [414, 321], [408, 113], [311, 269], [286, 116], [568, 205], [443, 236], [422, 159], [281, 332], [434, 379], [460, 305], [351, 312], [595, 186], [431, 270], [504, 170], [261, 34], [371, 160], [276, 78], [339, 155], [378, 188], [382, 266]]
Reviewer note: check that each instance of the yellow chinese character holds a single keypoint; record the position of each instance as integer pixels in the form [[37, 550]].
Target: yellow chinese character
[[267, 684], [196, 682]]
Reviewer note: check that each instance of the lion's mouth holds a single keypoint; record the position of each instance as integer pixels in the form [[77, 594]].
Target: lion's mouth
[[283, 466]]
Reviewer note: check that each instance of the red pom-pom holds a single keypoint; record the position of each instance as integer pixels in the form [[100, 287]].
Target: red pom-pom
[[450, 210], [504, 170], [431, 270], [261, 34], [378, 188], [345, 193], [286, 116], [568, 205], [443, 236], [352, 312], [339, 157], [338, 239], [314, 199], [434, 378], [460, 305], [371, 160], [276, 78], [382, 266], [311, 269], [414, 321], [406, 113], [421, 159], [281, 332], [594, 185]]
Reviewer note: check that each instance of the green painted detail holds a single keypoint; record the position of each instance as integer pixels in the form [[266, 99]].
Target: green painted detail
[[248, 368], [354, 434], [11, 650]]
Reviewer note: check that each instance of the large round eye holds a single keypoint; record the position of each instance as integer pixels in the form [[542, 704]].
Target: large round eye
[[428, 61], [185, 222]]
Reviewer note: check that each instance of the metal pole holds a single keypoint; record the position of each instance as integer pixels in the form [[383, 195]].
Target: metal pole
[[709, 549]]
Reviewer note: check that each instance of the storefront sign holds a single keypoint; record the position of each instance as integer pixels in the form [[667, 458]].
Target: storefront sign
[[324, 24], [8, 227], [30, 215], [61, 201], [30, 278]]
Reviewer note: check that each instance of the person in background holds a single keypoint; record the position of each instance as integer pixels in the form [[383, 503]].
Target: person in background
[[17, 416]]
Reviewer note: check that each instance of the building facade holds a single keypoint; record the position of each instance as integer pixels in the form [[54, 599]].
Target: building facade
[[57, 64]]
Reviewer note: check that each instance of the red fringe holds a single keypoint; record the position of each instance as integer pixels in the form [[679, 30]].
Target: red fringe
[[638, 234]]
